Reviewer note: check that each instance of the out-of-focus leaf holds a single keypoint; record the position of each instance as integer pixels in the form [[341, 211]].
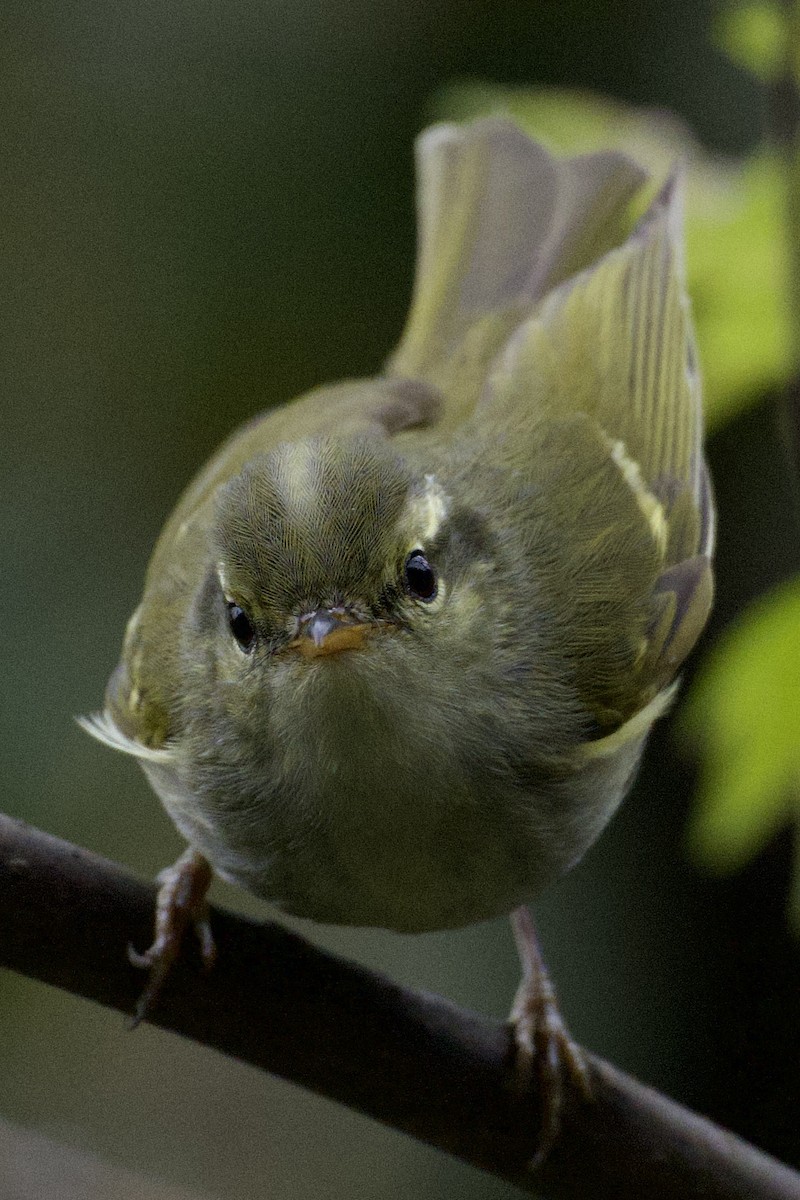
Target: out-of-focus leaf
[[735, 226], [737, 266], [744, 712], [754, 34]]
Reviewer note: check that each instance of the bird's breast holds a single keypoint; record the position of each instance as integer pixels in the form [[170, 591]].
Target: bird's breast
[[366, 805]]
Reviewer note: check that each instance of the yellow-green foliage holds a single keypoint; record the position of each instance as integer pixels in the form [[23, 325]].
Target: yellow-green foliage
[[754, 34], [743, 711]]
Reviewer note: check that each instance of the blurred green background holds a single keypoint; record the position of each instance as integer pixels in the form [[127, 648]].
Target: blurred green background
[[208, 207]]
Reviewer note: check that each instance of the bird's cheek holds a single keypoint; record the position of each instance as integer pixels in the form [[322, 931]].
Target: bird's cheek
[[466, 610]]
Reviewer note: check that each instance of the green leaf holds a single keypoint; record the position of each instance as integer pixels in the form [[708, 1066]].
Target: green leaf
[[735, 227], [744, 714], [738, 276], [755, 35]]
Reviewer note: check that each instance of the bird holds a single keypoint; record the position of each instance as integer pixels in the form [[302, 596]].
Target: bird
[[402, 640]]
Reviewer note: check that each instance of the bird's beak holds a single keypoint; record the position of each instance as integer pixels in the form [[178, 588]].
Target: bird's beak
[[328, 631]]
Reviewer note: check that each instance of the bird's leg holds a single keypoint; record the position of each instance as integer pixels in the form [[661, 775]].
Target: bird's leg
[[541, 1039], [181, 902]]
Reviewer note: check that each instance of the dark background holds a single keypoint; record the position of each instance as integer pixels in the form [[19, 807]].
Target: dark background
[[207, 208]]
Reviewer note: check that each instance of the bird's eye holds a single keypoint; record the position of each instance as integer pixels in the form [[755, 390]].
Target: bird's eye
[[241, 627], [420, 577]]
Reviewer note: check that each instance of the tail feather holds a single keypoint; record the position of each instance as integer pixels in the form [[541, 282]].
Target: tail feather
[[501, 222]]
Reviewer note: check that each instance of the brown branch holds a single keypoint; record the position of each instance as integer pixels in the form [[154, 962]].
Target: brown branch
[[411, 1060]]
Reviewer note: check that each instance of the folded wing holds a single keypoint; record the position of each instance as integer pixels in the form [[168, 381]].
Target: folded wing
[[615, 345]]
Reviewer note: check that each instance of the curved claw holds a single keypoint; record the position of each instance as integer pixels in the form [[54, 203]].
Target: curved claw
[[181, 903], [542, 1042]]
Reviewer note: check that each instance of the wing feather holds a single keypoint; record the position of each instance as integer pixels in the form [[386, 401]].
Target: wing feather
[[615, 343]]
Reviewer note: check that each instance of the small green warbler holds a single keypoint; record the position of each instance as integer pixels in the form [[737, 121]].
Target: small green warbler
[[402, 640]]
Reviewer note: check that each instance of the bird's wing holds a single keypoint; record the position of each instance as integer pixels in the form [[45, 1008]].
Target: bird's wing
[[612, 351]]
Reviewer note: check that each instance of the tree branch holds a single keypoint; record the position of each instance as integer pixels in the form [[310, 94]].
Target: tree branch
[[411, 1060]]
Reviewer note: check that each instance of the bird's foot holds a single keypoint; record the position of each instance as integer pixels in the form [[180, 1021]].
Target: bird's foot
[[542, 1043], [181, 903]]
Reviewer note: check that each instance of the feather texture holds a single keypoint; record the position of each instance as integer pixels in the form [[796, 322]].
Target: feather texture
[[536, 444], [501, 222]]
